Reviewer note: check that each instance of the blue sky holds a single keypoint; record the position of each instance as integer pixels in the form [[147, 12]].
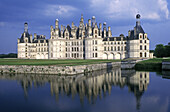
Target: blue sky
[[119, 14]]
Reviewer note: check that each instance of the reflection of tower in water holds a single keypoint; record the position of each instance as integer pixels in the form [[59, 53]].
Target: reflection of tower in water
[[90, 86]]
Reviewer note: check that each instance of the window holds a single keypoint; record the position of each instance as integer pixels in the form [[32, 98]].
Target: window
[[145, 47], [66, 48], [95, 36], [66, 55], [96, 42], [140, 54], [95, 31], [96, 55], [140, 36], [145, 54], [66, 34], [118, 48], [140, 47], [104, 48], [95, 48], [115, 48], [140, 75], [140, 41], [145, 41], [66, 43], [111, 48], [108, 49]]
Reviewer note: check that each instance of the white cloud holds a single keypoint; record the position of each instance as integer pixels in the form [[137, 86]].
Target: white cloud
[[149, 9], [59, 10]]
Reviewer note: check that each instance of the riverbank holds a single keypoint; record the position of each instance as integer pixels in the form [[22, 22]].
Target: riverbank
[[151, 64], [56, 70]]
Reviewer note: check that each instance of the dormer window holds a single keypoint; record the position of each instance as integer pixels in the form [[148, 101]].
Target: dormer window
[[66, 34], [95, 31], [140, 36]]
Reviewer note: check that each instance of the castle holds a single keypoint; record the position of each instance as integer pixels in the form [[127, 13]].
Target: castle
[[87, 41]]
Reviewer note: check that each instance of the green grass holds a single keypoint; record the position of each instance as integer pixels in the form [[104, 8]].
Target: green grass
[[151, 64], [67, 62]]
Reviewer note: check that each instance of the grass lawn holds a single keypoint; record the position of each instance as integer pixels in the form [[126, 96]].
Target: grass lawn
[[60, 62], [151, 64]]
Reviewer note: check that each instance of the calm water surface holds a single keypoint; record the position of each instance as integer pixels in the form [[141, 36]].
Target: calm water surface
[[102, 91]]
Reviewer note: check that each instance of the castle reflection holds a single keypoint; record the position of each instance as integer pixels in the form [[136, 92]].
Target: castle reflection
[[91, 86]]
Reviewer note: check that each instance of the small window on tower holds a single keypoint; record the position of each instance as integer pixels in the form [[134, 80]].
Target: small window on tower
[[95, 31], [66, 34], [140, 36]]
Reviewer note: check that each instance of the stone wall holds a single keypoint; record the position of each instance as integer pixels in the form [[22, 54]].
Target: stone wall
[[128, 64], [60, 70], [165, 65]]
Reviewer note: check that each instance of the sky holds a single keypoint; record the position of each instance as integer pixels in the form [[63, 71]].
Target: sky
[[119, 14]]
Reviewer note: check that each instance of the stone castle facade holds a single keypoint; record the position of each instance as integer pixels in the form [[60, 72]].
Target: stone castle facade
[[87, 41]]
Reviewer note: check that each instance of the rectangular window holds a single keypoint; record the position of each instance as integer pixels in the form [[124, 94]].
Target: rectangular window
[[96, 42], [111, 48], [96, 55], [95, 31], [140, 47], [104, 48]]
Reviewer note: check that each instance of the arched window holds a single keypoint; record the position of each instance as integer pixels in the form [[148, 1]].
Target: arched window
[[140, 54], [145, 55]]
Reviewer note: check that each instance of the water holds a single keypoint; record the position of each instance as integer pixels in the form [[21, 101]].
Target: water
[[107, 90]]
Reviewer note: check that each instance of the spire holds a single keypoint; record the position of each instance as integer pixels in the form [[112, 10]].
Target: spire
[[81, 21], [25, 27], [56, 24], [138, 20], [93, 21]]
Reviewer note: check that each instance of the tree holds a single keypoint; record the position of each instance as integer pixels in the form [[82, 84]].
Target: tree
[[167, 51], [160, 51]]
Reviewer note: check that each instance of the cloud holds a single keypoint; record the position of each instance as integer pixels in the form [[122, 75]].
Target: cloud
[[59, 10], [150, 9]]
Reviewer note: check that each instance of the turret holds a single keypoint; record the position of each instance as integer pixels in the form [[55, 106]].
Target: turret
[[26, 27], [89, 21], [31, 38], [56, 23], [100, 28], [61, 31], [138, 20], [81, 21], [72, 25], [109, 32], [104, 29], [35, 36], [93, 21]]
